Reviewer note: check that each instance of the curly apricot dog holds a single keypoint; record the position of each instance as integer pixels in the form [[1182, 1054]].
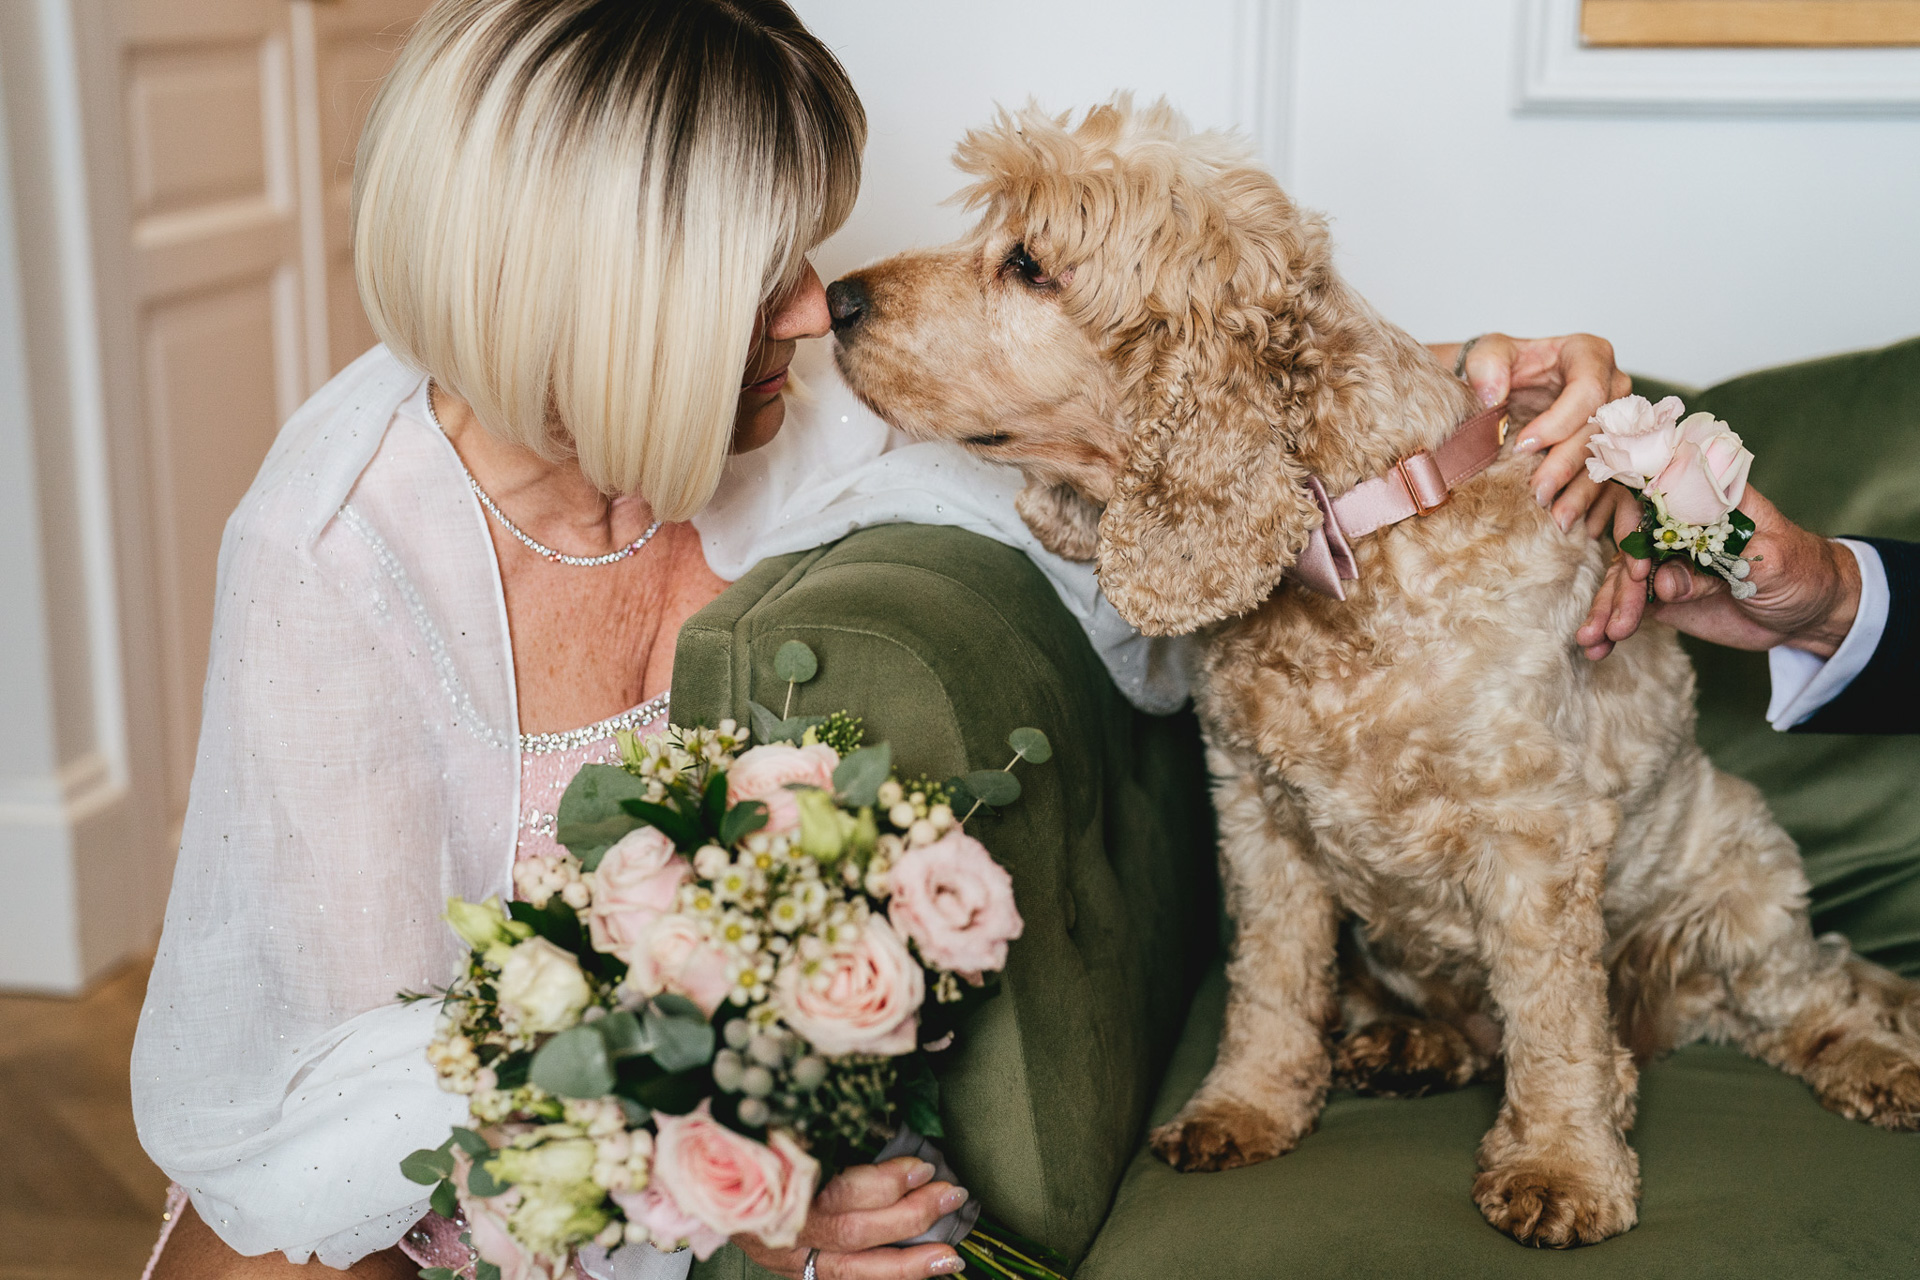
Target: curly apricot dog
[[1542, 867]]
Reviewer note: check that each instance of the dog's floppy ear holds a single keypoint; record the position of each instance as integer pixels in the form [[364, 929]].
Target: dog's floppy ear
[[1066, 523], [1211, 509]]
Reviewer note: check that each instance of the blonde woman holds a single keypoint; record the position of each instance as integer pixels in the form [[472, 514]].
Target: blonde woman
[[581, 230]]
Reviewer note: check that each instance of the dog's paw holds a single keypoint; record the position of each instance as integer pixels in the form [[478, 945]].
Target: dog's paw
[[1873, 1081], [1224, 1133], [1405, 1058], [1558, 1204]]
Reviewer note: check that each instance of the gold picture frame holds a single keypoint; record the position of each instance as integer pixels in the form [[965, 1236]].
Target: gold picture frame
[[1805, 24]]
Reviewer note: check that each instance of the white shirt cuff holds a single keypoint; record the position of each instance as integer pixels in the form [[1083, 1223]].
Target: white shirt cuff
[[1802, 683]]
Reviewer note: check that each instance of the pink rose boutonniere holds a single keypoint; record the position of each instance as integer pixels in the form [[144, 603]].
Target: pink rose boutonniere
[[1690, 474]]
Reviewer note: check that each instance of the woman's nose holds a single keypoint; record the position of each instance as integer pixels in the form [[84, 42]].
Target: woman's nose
[[803, 312]]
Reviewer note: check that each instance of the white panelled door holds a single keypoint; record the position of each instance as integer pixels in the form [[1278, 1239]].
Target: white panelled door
[[240, 122]]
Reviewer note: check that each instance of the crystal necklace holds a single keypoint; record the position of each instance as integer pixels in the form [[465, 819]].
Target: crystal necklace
[[538, 548]]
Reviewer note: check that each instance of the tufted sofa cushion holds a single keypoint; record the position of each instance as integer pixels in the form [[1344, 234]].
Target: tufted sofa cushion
[[944, 642]]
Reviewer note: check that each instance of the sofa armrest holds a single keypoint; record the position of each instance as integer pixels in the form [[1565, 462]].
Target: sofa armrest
[[943, 642]]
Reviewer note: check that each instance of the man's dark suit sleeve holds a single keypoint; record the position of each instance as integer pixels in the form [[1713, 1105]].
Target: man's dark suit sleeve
[[1885, 696]]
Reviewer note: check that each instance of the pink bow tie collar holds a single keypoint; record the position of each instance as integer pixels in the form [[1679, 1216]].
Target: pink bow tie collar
[[1416, 484]]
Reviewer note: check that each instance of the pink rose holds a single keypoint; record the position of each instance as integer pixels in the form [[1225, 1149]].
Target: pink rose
[[667, 1224], [765, 772], [676, 956], [487, 1221], [731, 1183], [1708, 474], [635, 882], [859, 998], [956, 903], [1636, 440]]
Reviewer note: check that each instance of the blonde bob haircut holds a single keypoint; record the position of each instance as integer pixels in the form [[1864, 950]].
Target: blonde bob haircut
[[572, 213]]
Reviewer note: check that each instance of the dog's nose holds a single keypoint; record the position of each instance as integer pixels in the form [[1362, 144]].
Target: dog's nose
[[847, 301]]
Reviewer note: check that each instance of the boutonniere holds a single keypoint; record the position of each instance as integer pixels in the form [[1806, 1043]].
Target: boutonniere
[[1690, 474]]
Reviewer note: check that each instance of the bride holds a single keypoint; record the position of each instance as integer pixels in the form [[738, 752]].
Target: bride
[[580, 230]]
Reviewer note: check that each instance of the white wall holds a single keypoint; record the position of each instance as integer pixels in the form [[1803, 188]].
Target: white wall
[[1702, 244], [928, 72]]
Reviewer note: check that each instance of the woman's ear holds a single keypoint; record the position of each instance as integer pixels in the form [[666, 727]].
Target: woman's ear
[[1066, 523], [1209, 512]]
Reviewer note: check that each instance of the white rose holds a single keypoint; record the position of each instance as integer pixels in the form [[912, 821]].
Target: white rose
[[541, 987]]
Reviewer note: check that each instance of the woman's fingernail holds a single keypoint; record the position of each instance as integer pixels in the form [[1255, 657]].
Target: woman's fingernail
[[1544, 495], [945, 1266], [1527, 444], [952, 1198], [920, 1175], [1564, 519]]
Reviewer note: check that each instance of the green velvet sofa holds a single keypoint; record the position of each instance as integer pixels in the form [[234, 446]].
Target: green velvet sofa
[[944, 641]]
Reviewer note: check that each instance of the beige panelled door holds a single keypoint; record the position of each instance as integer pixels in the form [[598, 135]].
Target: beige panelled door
[[207, 94], [240, 121], [354, 43]]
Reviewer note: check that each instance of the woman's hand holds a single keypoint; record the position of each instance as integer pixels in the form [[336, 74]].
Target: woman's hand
[[1552, 386], [862, 1212], [1807, 591]]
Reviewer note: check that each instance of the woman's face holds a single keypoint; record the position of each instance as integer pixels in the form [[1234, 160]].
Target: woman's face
[[800, 314]]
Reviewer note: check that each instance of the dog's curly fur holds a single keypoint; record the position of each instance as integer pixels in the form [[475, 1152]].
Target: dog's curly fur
[[1540, 869]]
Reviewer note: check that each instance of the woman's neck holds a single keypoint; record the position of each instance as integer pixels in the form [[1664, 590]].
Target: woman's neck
[[553, 502]]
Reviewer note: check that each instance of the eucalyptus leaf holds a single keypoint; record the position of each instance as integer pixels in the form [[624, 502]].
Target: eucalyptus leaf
[[677, 1006], [741, 821], [484, 1270], [444, 1201], [482, 1183], [636, 1114], [590, 818], [794, 728], [795, 662], [960, 795], [427, 1166], [1637, 544], [623, 1035], [574, 1064], [859, 776], [476, 1147], [679, 1042], [1031, 744], [439, 1273], [993, 786], [766, 725]]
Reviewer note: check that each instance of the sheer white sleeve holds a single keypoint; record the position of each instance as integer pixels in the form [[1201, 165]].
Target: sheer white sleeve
[[356, 767]]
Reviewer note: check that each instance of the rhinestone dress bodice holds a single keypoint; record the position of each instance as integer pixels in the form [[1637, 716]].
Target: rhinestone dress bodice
[[548, 762]]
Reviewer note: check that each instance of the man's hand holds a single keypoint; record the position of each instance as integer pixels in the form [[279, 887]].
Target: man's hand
[[862, 1212], [1807, 592], [1552, 386]]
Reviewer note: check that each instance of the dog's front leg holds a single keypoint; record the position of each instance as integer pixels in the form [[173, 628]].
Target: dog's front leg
[[1270, 1079], [1556, 1169]]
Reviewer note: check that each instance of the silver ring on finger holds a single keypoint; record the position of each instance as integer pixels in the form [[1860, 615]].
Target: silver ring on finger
[[808, 1272]]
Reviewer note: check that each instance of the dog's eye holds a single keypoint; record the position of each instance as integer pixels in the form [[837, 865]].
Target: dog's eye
[[1021, 262], [990, 440]]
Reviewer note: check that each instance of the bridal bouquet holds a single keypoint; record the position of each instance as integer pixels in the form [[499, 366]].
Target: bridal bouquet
[[1690, 474], [726, 989]]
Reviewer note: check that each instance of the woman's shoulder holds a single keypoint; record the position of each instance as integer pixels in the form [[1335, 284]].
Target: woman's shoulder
[[322, 451]]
